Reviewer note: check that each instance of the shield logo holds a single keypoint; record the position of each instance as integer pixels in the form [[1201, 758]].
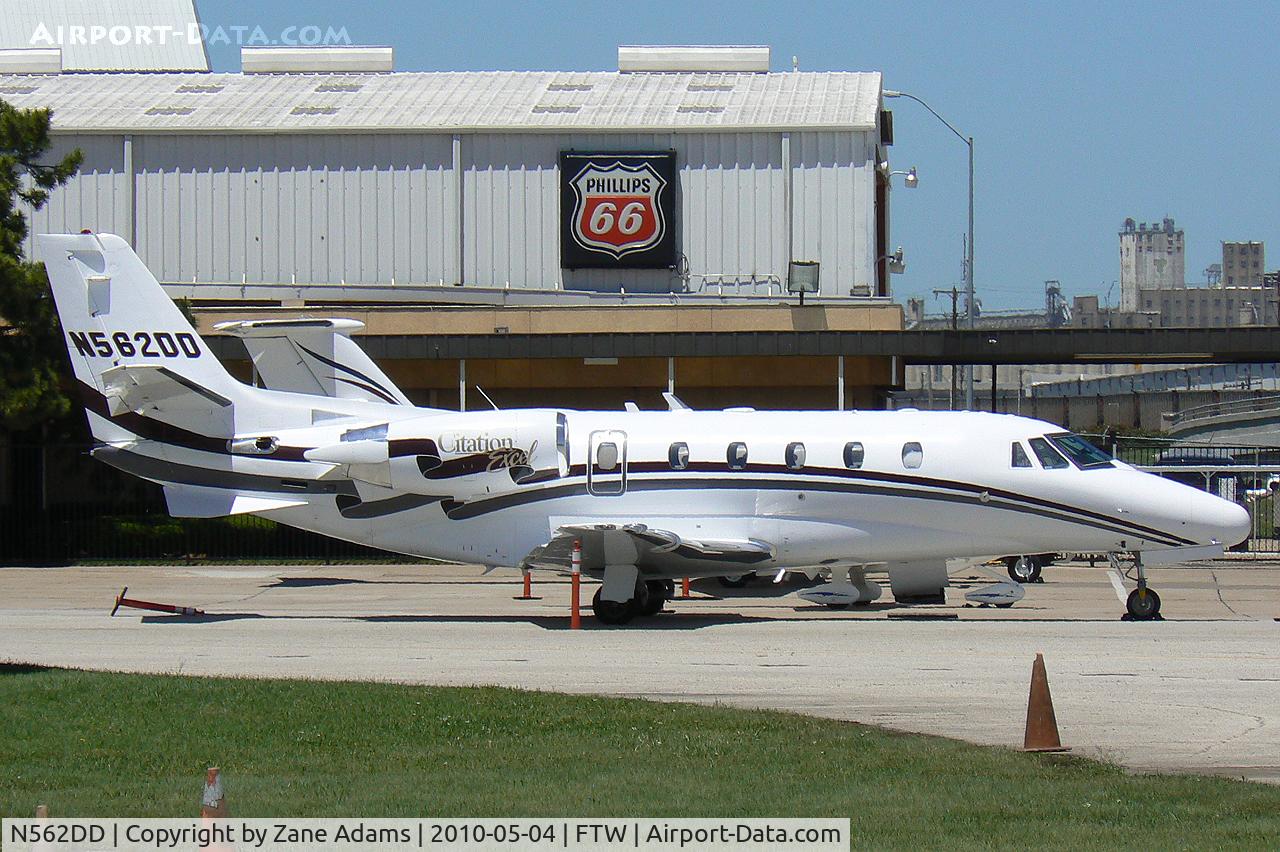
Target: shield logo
[[617, 208]]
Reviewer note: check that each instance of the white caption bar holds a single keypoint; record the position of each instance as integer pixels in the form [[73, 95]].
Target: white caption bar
[[243, 835]]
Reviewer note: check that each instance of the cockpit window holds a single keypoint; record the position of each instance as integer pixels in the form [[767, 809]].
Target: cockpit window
[[1083, 454], [1019, 456], [1050, 459]]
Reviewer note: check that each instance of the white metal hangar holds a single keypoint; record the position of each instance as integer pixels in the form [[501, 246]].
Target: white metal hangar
[[463, 179], [51, 36], [670, 196]]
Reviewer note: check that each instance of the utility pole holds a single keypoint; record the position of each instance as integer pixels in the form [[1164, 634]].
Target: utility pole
[[954, 293], [970, 298], [971, 311]]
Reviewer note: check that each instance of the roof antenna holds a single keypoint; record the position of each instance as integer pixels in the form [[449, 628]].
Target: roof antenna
[[487, 399], [795, 63]]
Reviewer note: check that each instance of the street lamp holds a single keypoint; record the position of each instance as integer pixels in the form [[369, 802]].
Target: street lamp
[[970, 312], [909, 177]]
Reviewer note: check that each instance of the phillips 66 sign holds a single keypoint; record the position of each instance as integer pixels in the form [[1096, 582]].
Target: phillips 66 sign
[[617, 210]]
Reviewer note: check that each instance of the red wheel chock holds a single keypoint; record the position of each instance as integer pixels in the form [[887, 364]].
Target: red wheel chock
[[173, 609]]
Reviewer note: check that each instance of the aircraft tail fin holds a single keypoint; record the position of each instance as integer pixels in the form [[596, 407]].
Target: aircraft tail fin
[[314, 356], [130, 346]]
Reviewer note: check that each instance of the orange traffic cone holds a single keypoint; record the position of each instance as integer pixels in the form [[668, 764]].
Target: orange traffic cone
[[1042, 725], [213, 803]]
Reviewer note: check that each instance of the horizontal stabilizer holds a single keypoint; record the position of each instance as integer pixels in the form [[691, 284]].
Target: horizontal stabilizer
[[193, 501], [119, 327], [162, 394]]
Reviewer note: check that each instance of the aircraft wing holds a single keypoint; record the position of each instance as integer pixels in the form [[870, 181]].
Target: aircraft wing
[[646, 548]]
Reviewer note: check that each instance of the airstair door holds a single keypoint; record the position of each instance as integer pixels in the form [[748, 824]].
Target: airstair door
[[607, 471]]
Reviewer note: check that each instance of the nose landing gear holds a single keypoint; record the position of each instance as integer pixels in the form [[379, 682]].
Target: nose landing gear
[[1143, 604]]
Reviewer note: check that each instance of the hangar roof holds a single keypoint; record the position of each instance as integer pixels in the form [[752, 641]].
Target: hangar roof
[[450, 101], [115, 35]]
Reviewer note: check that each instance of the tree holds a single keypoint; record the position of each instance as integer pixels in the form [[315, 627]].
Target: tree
[[32, 355]]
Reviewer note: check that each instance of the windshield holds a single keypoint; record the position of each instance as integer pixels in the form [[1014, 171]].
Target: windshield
[[1050, 459], [1082, 453]]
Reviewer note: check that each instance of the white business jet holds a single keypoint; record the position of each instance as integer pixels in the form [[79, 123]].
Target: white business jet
[[331, 445]]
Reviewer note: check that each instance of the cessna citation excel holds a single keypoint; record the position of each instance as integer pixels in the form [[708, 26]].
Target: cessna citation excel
[[331, 445]]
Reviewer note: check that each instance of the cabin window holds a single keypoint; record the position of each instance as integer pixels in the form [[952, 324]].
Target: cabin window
[[678, 455], [1050, 459], [737, 456], [853, 455], [1020, 457], [607, 455], [795, 455], [912, 455]]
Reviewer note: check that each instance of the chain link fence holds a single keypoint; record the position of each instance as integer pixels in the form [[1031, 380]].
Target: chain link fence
[[1246, 475], [58, 505]]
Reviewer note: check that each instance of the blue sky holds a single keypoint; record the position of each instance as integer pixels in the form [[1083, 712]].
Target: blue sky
[[1081, 113]]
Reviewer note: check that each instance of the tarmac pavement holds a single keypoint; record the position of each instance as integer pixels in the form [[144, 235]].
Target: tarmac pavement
[[1197, 692]]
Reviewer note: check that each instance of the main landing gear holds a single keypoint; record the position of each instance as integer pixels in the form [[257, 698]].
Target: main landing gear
[[1143, 604], [649, 599], [1025, 569]]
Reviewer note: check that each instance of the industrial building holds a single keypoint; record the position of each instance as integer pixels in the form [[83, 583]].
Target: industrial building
[[1154, 292], [1243, 263], [680, 192], [1150, 259]]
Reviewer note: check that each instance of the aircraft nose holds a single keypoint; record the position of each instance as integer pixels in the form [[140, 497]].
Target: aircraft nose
[[1227, 522]]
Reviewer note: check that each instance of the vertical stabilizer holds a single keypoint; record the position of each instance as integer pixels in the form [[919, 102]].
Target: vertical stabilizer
[[129, 344], [314, 356]]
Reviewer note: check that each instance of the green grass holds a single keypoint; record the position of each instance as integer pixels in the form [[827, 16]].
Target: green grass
[[95, 744]]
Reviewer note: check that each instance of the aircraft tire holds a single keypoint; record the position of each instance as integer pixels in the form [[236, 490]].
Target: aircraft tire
[[612, 612], [1025, 569], [655, 599], [1143, 608]]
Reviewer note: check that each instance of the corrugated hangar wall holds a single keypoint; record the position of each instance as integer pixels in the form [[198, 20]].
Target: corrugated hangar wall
[[370, 208]]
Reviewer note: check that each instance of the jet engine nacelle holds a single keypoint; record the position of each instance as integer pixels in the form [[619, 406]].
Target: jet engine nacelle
[[456, 456], [468, 455]]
